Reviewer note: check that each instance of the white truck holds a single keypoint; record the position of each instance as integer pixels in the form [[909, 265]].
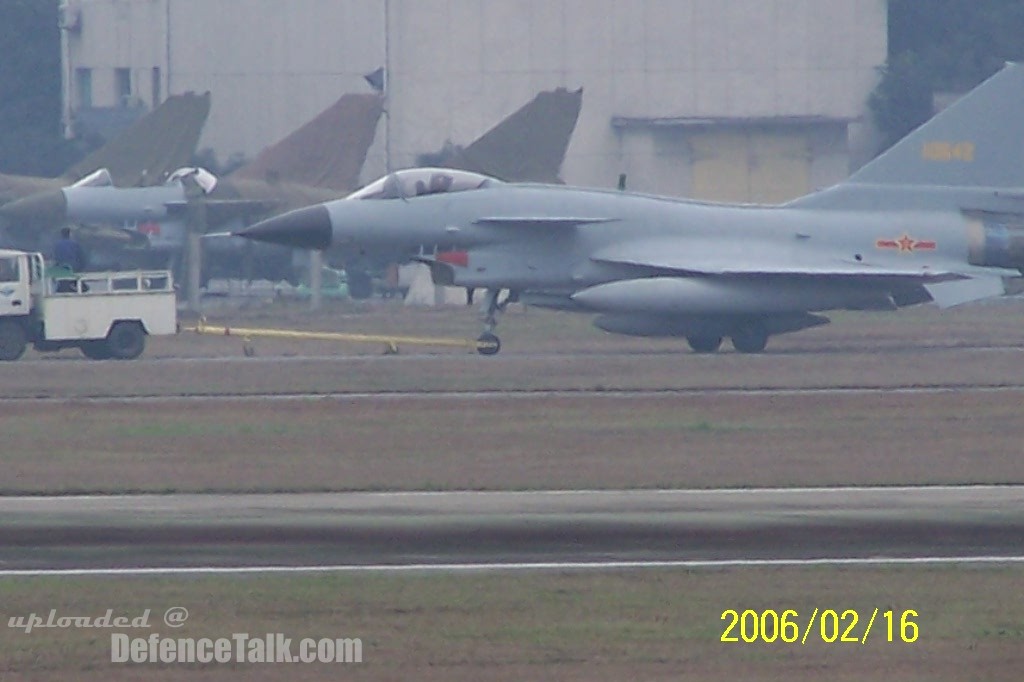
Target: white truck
[[105, 314]]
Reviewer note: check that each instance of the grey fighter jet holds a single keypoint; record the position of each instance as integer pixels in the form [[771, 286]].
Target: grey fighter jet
[[939, 217]]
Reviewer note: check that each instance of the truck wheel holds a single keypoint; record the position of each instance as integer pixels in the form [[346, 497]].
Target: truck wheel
[[12, 340], [126, 340], [95, 350]]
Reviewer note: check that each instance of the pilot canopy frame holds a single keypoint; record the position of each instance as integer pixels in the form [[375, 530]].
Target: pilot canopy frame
[[415, 182]]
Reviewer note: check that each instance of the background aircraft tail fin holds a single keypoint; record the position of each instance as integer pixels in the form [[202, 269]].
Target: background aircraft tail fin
[[157, 144], [529, 145], [329, 151], [978, 141]]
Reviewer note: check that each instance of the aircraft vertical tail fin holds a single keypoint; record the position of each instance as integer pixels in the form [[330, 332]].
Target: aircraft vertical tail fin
[[157, 144], [978, 141], [529, 145], [328, 151]]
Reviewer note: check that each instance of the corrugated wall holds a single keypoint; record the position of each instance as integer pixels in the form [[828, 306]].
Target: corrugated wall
[[458, 66]]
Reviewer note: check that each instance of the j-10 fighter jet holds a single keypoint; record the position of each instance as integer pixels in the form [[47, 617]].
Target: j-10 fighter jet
[[938, 217]]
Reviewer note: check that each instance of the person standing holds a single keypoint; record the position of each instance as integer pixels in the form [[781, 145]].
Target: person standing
[[68, 253]]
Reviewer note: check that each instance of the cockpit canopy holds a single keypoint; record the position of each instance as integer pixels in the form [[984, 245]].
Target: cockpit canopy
[[414, 182], [98, 178], [206, 180]]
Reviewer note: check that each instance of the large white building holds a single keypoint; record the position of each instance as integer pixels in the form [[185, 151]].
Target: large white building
[[757, 100]]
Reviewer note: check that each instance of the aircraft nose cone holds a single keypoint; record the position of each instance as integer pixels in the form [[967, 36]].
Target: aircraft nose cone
[[43, 208], [306, 228]]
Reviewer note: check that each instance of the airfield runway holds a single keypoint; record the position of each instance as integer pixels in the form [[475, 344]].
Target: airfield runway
[[360, 529], [967, 358]]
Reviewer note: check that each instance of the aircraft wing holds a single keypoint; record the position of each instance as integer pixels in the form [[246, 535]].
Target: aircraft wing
[[747, 258]]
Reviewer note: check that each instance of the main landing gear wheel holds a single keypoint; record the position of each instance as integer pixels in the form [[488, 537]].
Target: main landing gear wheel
[[750, 338], [704, 343], [488, 344]]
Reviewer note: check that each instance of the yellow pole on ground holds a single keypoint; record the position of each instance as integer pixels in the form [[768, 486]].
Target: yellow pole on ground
[[391, 343]]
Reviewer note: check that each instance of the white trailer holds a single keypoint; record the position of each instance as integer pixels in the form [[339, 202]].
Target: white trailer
[[105, 314]]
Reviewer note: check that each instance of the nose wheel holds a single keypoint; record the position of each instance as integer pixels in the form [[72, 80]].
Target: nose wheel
[[488, 343]]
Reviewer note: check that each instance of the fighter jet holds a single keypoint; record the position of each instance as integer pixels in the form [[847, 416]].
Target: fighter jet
[[528, 145], [145, 154], [142, 156], [938, 217]]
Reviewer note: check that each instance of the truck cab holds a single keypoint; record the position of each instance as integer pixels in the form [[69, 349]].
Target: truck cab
[[21, 277]]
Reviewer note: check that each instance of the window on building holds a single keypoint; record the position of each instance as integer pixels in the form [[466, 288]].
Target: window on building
[[156, 86], [123, 82], [83, 83]]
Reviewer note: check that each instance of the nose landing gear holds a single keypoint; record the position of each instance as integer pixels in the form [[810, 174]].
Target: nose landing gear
[[488, 343]]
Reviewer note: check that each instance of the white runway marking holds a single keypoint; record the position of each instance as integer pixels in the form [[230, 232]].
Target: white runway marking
[[514, 395], [567, 492], [512, 356], [515, 567]]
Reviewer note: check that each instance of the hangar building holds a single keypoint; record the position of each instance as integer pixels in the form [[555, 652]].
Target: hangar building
[[749, 100]]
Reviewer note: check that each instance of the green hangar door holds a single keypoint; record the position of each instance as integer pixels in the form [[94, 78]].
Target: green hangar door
[[756, 166]]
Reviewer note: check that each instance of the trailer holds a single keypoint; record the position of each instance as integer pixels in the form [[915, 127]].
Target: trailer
[[107, 315]]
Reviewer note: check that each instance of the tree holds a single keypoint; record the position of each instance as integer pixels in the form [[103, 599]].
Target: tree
[[941, 45], [903, 98], [30, 136]]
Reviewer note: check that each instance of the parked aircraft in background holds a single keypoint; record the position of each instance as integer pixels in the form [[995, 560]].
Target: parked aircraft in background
[[158, 217], [161, 214], [145, 154], [939, 216]]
